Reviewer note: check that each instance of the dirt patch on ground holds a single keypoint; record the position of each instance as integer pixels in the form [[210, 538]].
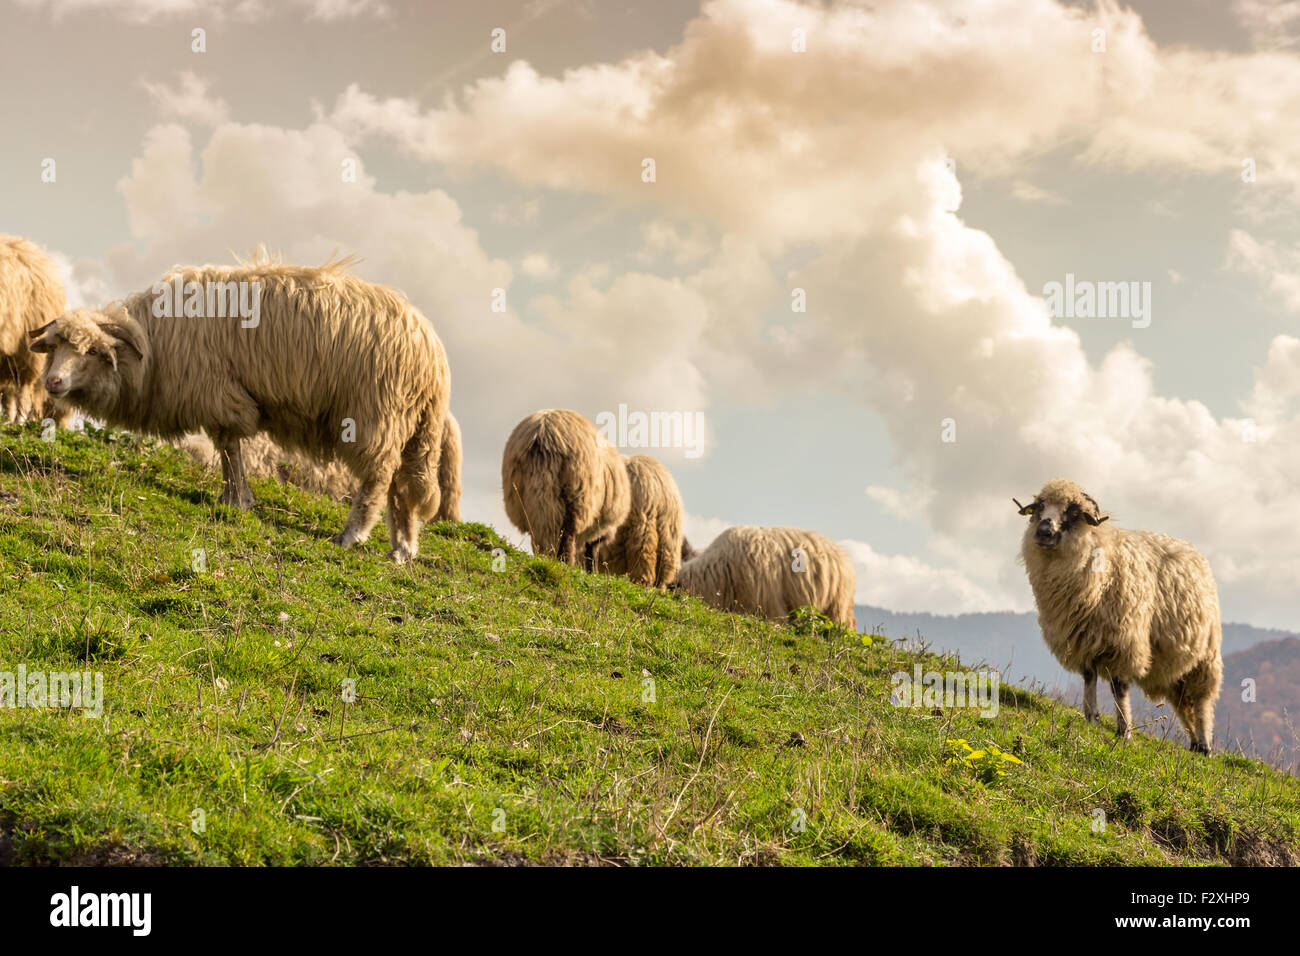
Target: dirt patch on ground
[[1252, 849]]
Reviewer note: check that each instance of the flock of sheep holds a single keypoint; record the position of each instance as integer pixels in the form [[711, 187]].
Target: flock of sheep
[[344, 387]]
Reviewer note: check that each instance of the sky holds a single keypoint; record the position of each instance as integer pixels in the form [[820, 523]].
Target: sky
[[842, 260]]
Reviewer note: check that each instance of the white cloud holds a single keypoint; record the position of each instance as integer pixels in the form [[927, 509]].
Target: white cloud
[[1272, 24], [517, 213], [1276, 267], [84, 283], [1026, 191], [903, 583], [188, 100], [683, 244], [700, 530], [537, 265]]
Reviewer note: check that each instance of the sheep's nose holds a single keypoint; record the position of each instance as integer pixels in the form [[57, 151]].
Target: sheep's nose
[[54, 383], [1045, 527]]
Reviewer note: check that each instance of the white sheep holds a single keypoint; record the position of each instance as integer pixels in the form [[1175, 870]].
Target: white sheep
[[647, 546], [772, 571], [31, 295], [323, 362], [1129, 606], [564, 484]]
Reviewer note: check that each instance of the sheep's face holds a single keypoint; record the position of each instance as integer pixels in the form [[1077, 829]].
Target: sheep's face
[[88, 354], [1060, 510]]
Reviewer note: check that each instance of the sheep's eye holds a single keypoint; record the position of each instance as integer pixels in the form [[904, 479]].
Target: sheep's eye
[[1073, 511]]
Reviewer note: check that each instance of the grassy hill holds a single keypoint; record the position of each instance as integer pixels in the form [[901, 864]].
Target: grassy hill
[[530, 713]]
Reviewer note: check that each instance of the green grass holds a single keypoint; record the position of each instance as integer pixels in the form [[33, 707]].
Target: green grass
[[503, 715]]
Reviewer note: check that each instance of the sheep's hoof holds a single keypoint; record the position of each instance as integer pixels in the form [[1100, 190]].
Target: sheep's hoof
[[401, 554], [343, 540], [1196, 748]]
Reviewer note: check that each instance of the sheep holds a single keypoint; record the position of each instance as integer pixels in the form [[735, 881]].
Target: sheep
[[323, 362], [772, 571], [647, 546], [564, 484], [263, 458], [1130, 606], [31, 295]]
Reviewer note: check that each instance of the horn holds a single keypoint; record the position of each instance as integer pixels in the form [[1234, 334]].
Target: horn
[[39, 341], [124, 335]]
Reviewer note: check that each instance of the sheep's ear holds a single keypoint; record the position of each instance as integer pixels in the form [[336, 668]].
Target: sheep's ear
[[45, 338], [1025, 509]]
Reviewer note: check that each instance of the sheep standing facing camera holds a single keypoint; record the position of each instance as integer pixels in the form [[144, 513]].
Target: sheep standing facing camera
[[564, 484], [31, 295], [772, 571], [647, 546], [1134, 607]]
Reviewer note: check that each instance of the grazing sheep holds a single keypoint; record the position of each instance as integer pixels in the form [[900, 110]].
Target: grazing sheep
[[263, 458], [1129, 606], [323, 362], [647, 546], [31, 295], [772, 571], [564, 484]]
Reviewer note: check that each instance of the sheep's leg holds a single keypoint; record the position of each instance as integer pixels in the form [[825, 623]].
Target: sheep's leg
[[1193, 700], [645, 549], [366, 505], [11, 406], [568, 550], [1204, 711], [403, 526], [1123, 710], [234, 483], [667, 562], [27, 408], [414, 495], [1090, 695], [589, 555]]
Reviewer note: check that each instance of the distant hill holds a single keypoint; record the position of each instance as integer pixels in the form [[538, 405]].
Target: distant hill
[[1013, 643]]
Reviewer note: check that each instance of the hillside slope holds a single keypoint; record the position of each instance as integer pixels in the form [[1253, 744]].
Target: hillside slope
[[530, 713]]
